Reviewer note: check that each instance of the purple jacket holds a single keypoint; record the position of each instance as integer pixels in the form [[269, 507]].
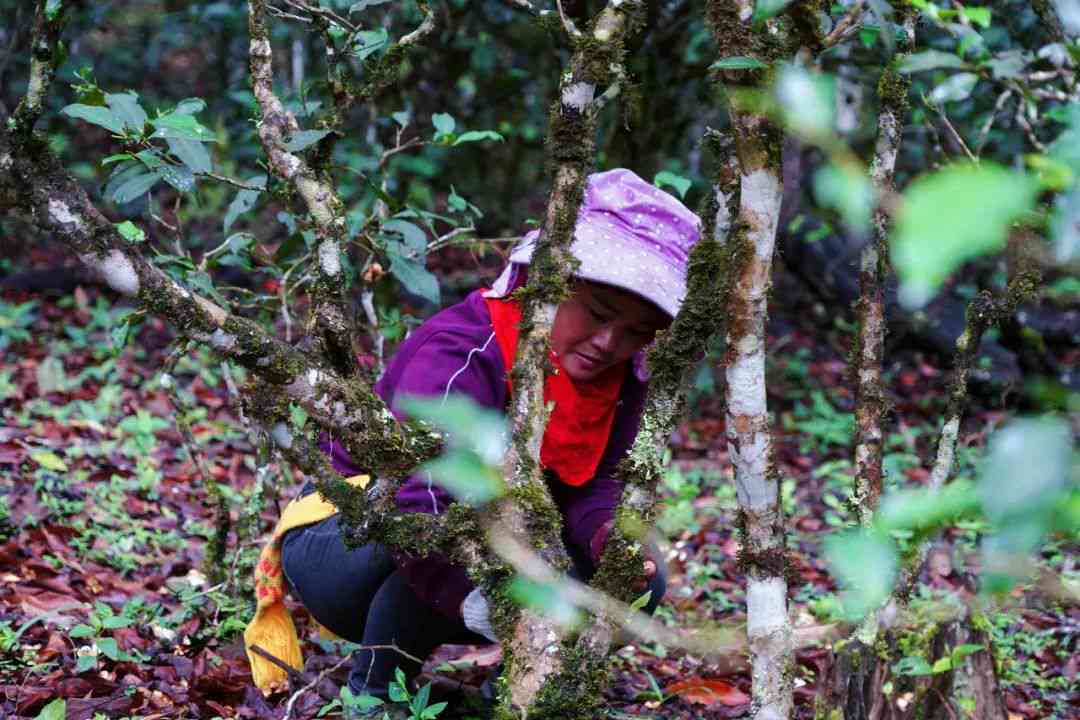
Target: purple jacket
[[456, 352]]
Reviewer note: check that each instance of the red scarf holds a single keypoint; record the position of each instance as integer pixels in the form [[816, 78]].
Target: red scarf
[[580, 424]]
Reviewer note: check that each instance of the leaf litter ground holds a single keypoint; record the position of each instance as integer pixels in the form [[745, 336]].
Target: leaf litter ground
[[104, 519]]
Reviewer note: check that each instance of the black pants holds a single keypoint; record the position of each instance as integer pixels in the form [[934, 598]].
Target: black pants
[[360, 596]]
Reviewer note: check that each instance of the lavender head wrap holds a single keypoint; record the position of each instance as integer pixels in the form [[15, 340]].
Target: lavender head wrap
[[629, 234]]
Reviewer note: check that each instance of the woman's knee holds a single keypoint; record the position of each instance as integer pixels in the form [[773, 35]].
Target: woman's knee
[[335, 584]]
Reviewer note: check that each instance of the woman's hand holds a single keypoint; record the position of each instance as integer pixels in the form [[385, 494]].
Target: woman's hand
[[596, 550]]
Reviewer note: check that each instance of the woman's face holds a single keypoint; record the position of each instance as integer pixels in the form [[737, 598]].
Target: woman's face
[[600, 326]]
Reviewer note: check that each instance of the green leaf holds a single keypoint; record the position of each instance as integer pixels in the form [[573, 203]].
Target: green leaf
[[738, 62], [131, 232], [120, 334], [765, 9], [847, 189], [806, 100], [305, 138], [1066, 227], [415, 238], [955, 88], [179, 176], [150, 158], [432, 711], [922, 512], [466, 477], [189, 106], [444, 124], [962, 651], [365, 4], [951, 216], [362, 701], [476, 136], [126, 107], [369, 42], [181, 127], [49, 461], [397, 689], [547, 599], [930, 60], [401, 118], [466, 424], [134, 187], [1036, 450], [103, 117], [1008, 65], [942, 664], [116, 621], [413, 276], [456, 202], [420, 700], [109, 648], [82, 630], [57, 709], [912, 665], [119, 157], [50, 375], [85, 663], [670, 179], [192, 153], [978, 15], [865, 563], [882, 12], [298, 417], [244, 201], [641, 602], [52, 11]]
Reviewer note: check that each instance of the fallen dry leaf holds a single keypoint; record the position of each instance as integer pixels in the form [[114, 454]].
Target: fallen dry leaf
[[705, 691]]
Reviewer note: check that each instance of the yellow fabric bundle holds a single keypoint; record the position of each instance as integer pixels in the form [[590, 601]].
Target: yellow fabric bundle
[[272, 628]]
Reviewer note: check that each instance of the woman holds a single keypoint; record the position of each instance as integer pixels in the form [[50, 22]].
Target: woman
[[632, 241]]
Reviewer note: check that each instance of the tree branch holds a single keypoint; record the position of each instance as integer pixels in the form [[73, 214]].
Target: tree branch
[[332, 321], [870, 403], [45, 57]]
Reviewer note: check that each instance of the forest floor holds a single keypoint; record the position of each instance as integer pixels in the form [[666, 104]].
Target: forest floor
[[104, 518]]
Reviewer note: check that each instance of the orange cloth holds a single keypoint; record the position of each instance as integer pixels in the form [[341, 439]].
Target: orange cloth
[[580, 423], [272, 628]]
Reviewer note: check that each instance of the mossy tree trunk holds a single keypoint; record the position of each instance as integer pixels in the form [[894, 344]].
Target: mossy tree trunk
[[750, 252]]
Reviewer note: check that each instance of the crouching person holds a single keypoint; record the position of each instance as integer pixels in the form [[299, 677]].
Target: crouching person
[[632, 241]]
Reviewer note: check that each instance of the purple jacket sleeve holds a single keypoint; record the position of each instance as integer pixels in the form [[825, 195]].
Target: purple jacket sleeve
[[445, 361], [589, 506]]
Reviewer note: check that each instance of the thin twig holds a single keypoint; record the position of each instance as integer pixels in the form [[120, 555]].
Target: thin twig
[[954, 134], [323, 12], [294, 674], [526, 6], [1023, 122], [710, 643], [279, 13], [311, 685], [229, 181], [423, 30], [984, 132], [413, 142], [846, 26], [447, 239], [612, 90], [568, 24]]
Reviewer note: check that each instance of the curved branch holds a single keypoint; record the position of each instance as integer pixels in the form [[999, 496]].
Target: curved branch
[[333, 322], [45, 57]]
